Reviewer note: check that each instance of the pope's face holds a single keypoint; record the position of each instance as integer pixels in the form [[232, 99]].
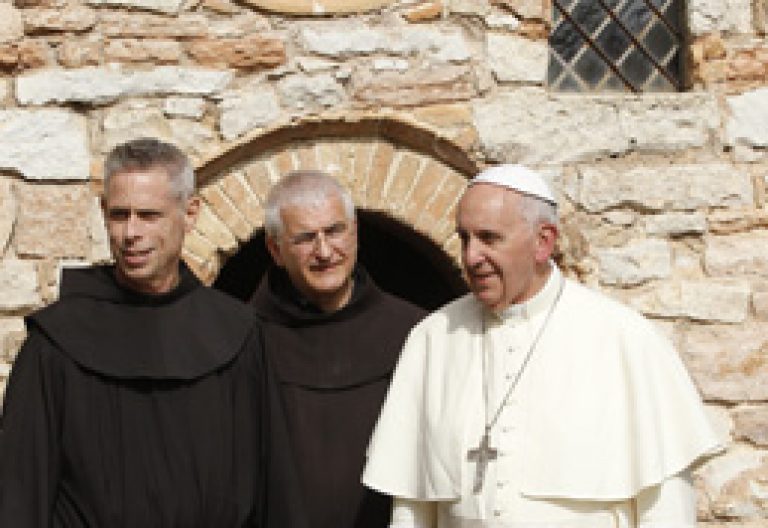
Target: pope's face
[[146, 224], [318, 249], [500, 250]]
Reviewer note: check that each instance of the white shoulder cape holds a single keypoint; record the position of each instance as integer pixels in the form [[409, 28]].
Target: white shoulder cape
[[616, 410]]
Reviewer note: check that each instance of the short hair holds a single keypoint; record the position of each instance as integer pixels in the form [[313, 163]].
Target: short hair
[[147, 153], [536, 211], [303, 187]]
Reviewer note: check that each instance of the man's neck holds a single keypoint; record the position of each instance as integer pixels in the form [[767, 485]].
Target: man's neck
[[336, 301]]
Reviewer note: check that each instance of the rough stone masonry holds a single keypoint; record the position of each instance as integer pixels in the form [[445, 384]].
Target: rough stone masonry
[[664, 194]]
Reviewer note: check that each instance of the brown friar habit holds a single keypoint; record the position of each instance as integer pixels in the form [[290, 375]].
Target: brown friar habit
[[333, 371], [128, 410]]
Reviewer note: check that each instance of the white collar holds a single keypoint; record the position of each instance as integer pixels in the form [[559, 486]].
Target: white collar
[[539, 303]]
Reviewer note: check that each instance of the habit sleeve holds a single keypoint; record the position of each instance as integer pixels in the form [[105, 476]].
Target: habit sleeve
[[29, 450]]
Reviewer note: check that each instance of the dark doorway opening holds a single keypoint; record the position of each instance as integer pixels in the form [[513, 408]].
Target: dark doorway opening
[[401, 261]]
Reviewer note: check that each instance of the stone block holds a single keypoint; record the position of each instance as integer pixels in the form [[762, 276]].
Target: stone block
[[341, 40], [310, 92], [415, 87], [169, 7], [751, 424], [132, 120], [714, 301], [737, 254], [505, 22], [729, 362], [143, 50], [318, 7], [12, 334], [424, 11], [103, 85], [97, 231], [7, 213], [18, 285], [212, 228], [729, 16], [253, 52], [11, 23], [747, 119], [636, 263], [517, 59], [138, 25], [45, 144], [243, 110], [189, 107], [469, 7], [50, 221], [70, 19], [529, 125], [523, 8], [675, 224], [4, 92], [667, 187], [77, 53], [663, 122], [199, 140], [735, 484]]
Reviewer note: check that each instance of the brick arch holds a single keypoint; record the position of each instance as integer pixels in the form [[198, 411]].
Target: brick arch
[[319, 7], [390, 166]]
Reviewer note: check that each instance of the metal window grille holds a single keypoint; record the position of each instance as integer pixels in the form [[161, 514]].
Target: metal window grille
[[616, 45]]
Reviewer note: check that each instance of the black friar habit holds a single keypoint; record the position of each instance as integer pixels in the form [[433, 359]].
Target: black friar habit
[[129, 410], [333, 371]]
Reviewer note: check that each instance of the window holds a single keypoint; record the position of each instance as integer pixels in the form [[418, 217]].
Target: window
[[616, 45]]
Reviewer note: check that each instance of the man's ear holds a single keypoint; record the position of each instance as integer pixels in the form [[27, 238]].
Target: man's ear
[[191, 210], [274, 249], [546, 237]]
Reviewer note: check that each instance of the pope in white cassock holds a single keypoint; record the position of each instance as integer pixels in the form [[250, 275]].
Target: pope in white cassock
[[534, 402]]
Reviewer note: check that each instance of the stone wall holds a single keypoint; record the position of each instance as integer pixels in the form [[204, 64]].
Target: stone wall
[[663, 195]]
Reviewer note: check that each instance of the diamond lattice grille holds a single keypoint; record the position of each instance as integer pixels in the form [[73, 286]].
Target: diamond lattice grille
[[619, 45]]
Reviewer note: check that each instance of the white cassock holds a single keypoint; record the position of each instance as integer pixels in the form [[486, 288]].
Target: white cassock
[[600, 431]]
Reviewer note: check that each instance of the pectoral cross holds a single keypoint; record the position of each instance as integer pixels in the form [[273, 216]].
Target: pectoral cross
[[483, 454]]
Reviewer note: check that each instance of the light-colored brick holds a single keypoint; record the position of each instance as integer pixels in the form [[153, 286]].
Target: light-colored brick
[[70, 19], [636, 263], [737, 254], [747, 119], [517, 59], [18, 285], [247, 109], [11, 23], [253, 52], [169, 7]]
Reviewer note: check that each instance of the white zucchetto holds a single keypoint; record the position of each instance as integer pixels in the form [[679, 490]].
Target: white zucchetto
[[518, 178]]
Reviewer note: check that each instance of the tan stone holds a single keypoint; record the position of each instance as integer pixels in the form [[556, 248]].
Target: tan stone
[[7, 213], [452, 115], [752, 424], [223, 7], [247, 53], [523, 8], [737, 220], [50, 220], [737, 254], [414, 87], [729, 362], [11, 25], [19, 290], [735, 484], [12, 335], [198, 245], [424, 11], [142, 50], [364, 151], [25, 55], [76, 53], [746, 68], [97, 231], [115, 24], [72, 18], [318, 7]]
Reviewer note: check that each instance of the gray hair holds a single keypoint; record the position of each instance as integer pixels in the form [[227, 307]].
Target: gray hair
[[536, 211], [303, 187], [149, 153]]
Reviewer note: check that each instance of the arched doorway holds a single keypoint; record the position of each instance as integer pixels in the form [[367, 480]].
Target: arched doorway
[[400, 260]]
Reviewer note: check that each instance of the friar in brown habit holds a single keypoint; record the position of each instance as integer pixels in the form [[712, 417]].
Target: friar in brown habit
[[140, 398], [333, 338]]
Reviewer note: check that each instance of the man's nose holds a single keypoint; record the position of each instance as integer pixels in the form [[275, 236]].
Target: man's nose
[[132, 227], [471, 253], [322, 247]]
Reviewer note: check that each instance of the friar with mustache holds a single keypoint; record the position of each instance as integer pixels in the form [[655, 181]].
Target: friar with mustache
[[333, 337]]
